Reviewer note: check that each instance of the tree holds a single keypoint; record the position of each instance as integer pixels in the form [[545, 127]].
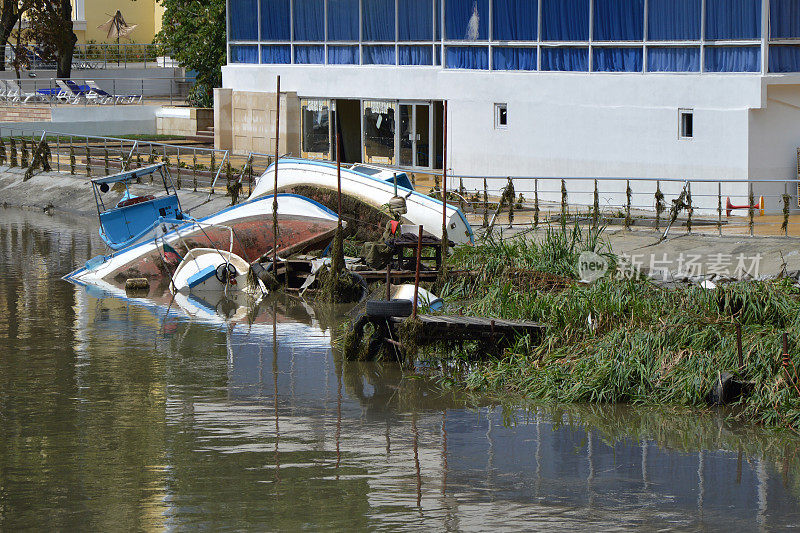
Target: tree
[[193, 34], [10, 13], [51, 29]]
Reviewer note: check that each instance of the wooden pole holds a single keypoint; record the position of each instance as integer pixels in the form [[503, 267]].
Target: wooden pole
[[338, 169], [388, 281], [444, 190], [275, 188], [416, 276]]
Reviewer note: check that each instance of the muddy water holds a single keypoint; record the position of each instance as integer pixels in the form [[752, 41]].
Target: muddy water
[[139, 414]]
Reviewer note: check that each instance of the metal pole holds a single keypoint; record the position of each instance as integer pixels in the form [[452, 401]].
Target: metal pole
[[444, 190], [416, 275], [275, 188], [719, 207], [58, 153]]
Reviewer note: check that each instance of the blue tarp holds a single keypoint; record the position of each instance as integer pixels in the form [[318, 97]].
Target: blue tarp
[[507, 58], [565, 20], [618, 20], [673, 59], [674, 20], [617, 59], [514, 20], [565, 59]]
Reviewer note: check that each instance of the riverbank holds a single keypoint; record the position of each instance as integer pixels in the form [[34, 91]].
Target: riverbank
[[624, 337], [63, 192]]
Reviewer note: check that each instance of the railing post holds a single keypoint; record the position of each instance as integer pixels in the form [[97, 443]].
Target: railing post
[[719, 208], [58, 153]]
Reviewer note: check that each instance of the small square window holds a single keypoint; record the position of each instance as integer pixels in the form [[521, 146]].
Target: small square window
[[500, 116], [686, 123]]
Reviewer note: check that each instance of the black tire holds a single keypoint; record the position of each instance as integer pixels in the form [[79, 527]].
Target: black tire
[[387, 309]]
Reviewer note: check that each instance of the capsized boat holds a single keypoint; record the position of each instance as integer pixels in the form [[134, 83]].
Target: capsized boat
[[372, 185], [208, 270], [148, 236]]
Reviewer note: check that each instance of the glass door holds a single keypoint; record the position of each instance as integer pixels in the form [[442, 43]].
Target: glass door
[[315, 123], [414, 142]]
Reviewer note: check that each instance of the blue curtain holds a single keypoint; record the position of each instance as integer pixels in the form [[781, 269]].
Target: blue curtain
[[457, 15], [415, 55], [309, 55], [733, 19], [733, 58], [244, 54], [567, 59], [472, 57], [784, 58], [343, 55], [673, 59], [514, 20], [565, 20], [784, 19], [415, 20], [378, 20], [243, 20], [309, 20], [342, 20], [378, 55], [276, 55], [275, 20], [437, 22], [617, 59], [513, 58], [618, 20], [674, 20], [437, 55]]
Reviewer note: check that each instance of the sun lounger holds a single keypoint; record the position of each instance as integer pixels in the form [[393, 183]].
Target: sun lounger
[[116, 98], [17, 94]]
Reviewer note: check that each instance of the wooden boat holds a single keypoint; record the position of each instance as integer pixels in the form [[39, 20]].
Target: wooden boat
[[148, 236], [372, 185]]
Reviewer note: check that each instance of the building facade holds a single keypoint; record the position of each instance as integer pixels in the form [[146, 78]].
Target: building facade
[[672, 89]]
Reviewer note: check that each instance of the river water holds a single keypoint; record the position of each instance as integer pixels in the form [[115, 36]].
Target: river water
[[155, 414]]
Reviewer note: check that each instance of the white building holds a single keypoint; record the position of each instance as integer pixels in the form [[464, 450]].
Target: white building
[[671, 89]]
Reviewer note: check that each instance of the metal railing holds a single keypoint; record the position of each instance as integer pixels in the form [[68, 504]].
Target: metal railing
[[759, 206], [98, 56], [94, 91]]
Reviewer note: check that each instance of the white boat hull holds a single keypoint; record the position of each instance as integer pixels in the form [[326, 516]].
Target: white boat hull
[[421, 210]]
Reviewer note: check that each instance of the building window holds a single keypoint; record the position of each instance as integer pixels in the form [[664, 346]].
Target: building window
[[686, 123], [500, 116]]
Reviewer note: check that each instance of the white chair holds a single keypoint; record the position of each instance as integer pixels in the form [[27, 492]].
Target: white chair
[[17, 94], [66, 94]]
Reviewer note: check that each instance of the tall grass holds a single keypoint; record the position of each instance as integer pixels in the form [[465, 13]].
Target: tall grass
[[627, 340]]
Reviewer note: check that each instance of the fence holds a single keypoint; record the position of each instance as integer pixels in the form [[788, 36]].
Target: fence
[[99, 56], [84, 91], [519, 202]]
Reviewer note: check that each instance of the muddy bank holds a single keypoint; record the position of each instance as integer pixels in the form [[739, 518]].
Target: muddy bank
[[59, 191]]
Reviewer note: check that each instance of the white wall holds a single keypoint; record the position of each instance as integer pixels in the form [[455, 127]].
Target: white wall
[[560, 124], [96, 120]]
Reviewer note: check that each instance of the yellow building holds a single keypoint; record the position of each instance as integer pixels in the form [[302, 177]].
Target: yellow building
[[89, 14]]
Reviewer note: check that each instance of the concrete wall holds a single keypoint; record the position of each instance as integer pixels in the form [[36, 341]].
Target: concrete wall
[[245, 122], [774, 141], [183, 120], [96, 120]]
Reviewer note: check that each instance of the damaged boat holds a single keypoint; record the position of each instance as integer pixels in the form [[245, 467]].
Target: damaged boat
[[149, 236], [375, 186]]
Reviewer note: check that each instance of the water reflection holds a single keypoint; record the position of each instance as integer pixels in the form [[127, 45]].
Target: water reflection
[[149, 414]]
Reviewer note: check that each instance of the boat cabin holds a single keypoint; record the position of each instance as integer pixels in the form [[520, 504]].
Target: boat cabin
[[129, 218], [384, 174]]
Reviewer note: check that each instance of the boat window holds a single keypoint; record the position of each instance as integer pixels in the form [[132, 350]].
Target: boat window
[[379, 127], [369, 171]]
